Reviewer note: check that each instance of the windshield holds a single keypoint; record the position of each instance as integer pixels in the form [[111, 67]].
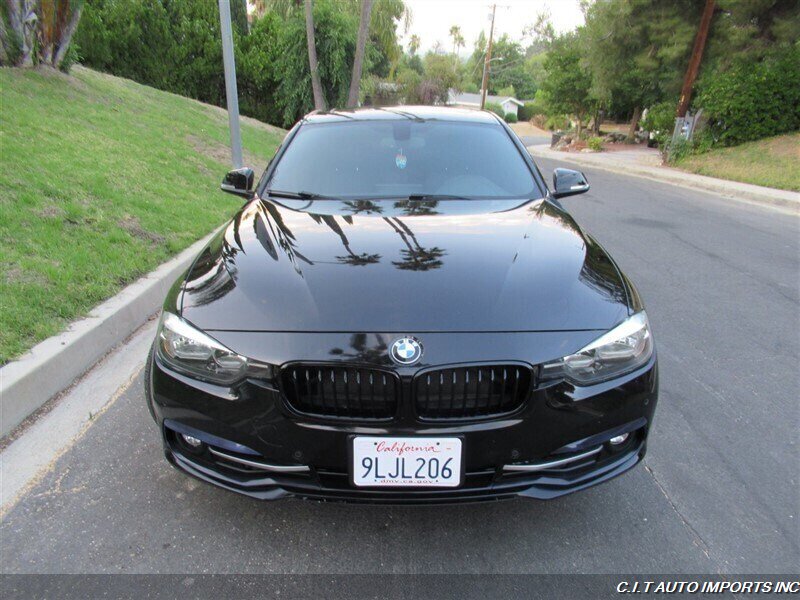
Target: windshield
[[403, 159]]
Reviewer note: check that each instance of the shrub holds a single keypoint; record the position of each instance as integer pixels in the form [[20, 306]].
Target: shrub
[[753, 101], [72, 57], [532, 108], [555, 122], [496, 109], [525, 113], [595, 143], [510, 118], [507, 91], [660, 121], [674, 151]]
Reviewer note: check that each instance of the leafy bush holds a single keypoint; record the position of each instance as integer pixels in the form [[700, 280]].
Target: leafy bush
[[507, 91], [595, 143], [753, 101], [496, 109], [678, 149], [174, 45], [525, 113], [556, 122], [409, 81], [533, 107], [660, 121], [71, 57], [510, 118]]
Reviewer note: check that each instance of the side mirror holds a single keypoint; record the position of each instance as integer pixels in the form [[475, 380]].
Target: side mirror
[[239, 182], [567, 182]]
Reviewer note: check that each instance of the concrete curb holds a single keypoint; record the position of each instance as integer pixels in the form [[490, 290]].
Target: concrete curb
[[54, 364], [731, 189]]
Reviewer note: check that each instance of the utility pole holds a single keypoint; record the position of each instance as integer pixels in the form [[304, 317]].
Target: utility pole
[[231, 94], [694, 61], [485, 81]]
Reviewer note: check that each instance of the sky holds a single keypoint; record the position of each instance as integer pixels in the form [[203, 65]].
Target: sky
[[432, 19]]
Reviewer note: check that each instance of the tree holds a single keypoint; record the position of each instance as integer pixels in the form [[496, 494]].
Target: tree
[[313, 63], [335, 38], [383, 50], [133, 39], [438, 79], [637, 51], [363, 30], [567, 83], [541, 33], [174, 45], [413, 45], [52, 23], [746, 31], [508, 67], [256, 61], [458, 39]]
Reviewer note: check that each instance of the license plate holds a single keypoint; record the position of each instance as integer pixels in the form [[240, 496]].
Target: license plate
[[406, 462]]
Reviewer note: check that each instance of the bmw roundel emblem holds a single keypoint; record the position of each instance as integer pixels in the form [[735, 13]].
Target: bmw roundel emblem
[[406, 351]]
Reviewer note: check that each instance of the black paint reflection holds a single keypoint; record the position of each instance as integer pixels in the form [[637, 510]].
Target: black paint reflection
[[597, 271], [418, 207], [472, 266], [361, 351], [272, 218], [352, 259], [601, 275], [363, 207], [415, 257], [214, 272]]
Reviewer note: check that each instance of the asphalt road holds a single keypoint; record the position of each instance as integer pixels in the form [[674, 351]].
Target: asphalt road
[[718, 492]]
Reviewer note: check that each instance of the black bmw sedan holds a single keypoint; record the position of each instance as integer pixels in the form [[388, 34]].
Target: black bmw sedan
[[402, 311]]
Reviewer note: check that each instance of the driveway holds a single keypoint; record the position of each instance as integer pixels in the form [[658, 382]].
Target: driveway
[[718, 492]]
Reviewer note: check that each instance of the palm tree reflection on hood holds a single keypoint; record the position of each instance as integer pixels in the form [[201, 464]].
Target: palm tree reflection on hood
[[365, 207], [418, 207], [352, 259], [415, 257], [281, 232]]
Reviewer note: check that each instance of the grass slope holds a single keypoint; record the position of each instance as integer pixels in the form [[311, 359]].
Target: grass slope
[[101, 180], [771, 162]]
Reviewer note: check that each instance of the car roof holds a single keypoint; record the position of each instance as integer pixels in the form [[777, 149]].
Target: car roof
[[397, 113]]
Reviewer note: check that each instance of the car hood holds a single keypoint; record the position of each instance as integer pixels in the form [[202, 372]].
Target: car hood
[[403, 267]]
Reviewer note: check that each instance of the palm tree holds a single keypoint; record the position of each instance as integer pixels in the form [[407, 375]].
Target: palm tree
[[316, 84], [458, 39], [34, 33], [458, 42], [413, 44], [363, 30]]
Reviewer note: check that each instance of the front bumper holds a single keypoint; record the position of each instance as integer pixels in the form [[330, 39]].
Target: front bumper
[[254, 425]]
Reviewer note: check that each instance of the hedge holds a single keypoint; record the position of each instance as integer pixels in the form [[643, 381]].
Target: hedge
[[753, 101]]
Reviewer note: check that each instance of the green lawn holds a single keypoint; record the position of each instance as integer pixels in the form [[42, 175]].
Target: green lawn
[[772, 162], [101, 180]]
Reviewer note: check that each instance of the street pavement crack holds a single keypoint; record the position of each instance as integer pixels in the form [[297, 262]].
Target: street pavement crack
[[697, 539]]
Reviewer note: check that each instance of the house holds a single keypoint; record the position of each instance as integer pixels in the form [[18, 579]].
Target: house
[[509, 104]]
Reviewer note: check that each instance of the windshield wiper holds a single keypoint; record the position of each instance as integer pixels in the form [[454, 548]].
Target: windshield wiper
[[301, 195]]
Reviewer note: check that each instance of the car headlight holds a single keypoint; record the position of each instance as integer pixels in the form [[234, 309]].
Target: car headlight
[[194, 353], [623, 349]]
